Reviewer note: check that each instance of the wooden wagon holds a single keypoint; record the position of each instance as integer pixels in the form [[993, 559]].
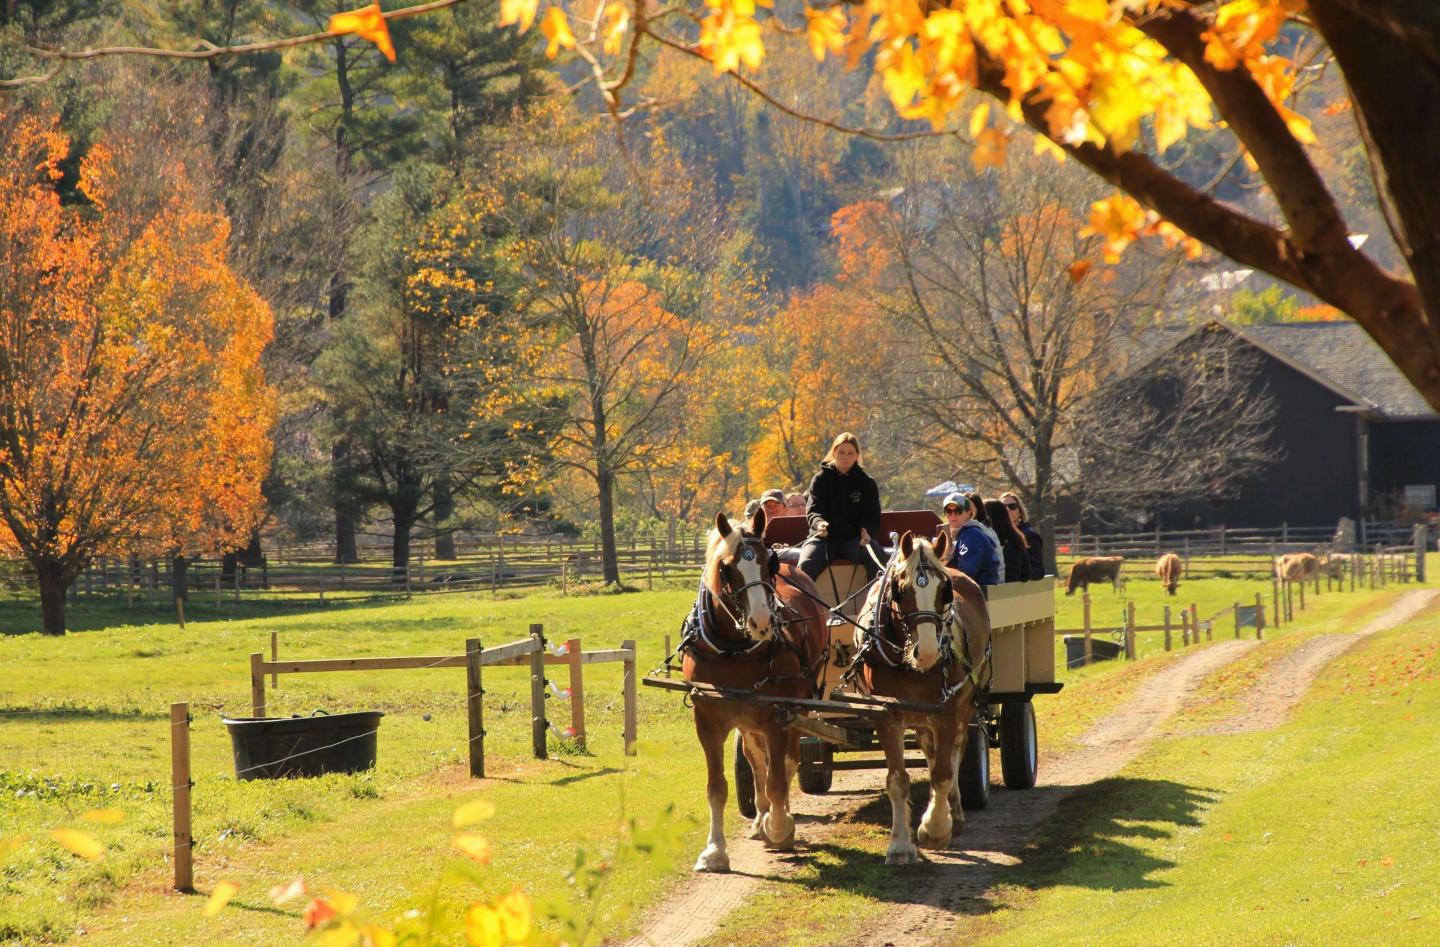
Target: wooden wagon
[[1022, 619]]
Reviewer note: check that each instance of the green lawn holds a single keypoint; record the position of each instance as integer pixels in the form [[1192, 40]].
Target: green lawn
[[84, 725]]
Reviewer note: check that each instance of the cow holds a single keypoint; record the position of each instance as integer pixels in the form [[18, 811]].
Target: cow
[[1333, 565], [1095, 569], [1167, 567], [1297, 567]]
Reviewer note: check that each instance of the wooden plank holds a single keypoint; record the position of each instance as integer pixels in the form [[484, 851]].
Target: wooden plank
[[257, 684], [1018, 603], [631, 700], [577, 690], [1040, 652], [366, 664], [180, 781], [828, 732], [475, 706], [538, 724]]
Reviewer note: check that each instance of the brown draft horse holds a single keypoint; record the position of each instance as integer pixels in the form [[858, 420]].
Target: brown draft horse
[[925, 639], [751, 630]]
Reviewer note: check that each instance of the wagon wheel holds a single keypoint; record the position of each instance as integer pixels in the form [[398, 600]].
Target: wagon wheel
[[1019, 745], [744, 779], [975, 768], [816, 777]]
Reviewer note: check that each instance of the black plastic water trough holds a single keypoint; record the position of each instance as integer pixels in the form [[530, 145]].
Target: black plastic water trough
[[276, 747], [1101, 649]]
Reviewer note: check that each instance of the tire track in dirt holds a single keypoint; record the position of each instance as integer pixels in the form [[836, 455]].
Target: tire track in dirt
[[1270, 702]]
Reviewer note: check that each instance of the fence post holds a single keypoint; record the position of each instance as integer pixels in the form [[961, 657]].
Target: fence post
[[630, 709], [180, 789], [650, 570], [1130, 631], [1419, 539], [1237, 621], [1089, 648], [1167, 628], [1354, 565], [1275, 602], [257, 684], [538, 725], [1301, 583], [577, 690], [1195, 620], [217, 590], [475, 705], [1259, 616], [274, 659], [1184, 627]]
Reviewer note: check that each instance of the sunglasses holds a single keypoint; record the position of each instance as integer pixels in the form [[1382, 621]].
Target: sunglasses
[[1012, 506], [953, 509]]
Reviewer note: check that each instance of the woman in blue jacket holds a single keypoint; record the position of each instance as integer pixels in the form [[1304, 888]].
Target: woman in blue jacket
[[971, 550]]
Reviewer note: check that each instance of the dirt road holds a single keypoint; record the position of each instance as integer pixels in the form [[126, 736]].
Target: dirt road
[[938, 890]]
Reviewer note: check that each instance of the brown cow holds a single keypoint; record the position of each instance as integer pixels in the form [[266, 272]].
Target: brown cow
[[1297, 566], [1167, 567], [1095, 569], [1333, 565]]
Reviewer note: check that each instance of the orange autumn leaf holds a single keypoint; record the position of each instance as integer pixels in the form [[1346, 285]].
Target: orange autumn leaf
[[368, 23], [556, 27], [224, 891], [317, 912], [1078, 270]]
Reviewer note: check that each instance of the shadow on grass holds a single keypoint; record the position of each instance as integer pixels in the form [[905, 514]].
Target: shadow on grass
[[582, 777], [21, 616], [1087, 839], [29, 714]]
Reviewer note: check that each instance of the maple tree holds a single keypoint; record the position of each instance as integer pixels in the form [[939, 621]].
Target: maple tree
[[133, 412]]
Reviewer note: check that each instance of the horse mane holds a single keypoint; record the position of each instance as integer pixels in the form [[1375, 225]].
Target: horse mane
[[715, 550]]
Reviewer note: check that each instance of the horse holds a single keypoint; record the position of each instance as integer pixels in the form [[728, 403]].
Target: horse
[[1167, 567], [924, 637], [1095, 569], [757, 626]]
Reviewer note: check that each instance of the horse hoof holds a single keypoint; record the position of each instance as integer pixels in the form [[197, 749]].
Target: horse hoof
[[902, 857], [936, 842], [785, 843], [757, 828], [712, 860]]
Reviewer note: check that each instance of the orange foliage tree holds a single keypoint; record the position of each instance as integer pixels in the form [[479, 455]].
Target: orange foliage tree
[[133, 413]]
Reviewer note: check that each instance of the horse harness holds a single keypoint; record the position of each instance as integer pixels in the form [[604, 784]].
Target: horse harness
[[698, 636], [879, 651]]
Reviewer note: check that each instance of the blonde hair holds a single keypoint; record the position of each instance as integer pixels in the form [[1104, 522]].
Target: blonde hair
[[844, 437]]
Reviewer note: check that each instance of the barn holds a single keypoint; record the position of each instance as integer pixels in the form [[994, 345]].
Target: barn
[[1353, 436]]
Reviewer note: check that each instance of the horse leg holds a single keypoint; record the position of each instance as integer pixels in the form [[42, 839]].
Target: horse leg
[[712, 733], [760, 769], [902, 849], [779, 827], [937, 825]]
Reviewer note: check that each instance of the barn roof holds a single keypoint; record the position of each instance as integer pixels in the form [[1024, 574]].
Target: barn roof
[[1340, 356]]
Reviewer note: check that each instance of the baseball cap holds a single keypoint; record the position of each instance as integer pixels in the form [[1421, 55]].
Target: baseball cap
[[777, 495], [957, 499]]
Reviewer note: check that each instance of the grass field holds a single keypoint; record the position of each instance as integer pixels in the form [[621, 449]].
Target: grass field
[[84, 724]]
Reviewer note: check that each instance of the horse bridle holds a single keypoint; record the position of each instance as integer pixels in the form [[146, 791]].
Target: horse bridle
[[733, 601]]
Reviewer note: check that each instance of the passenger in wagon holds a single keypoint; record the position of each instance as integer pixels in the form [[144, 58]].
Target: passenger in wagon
[[1034, 544], [795, 504], [844, 512], [971, 550], [1012, 542]]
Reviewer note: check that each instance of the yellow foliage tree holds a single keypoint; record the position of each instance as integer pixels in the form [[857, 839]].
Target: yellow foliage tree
[[133, 412]]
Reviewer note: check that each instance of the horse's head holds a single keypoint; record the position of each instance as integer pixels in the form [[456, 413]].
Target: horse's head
[[921, 592], [737, 572]]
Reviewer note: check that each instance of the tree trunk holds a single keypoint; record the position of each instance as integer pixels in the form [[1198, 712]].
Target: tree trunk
[[228, 563], [347, 515], [444, 509], [605, 482], [400, 549], [179, 572], [52, 597]]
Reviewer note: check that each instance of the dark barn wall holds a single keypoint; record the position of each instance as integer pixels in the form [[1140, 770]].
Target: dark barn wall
[[1317, 480], [1403, 453]]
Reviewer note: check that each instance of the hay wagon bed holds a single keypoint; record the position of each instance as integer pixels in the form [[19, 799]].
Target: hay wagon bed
[[1022, 621]]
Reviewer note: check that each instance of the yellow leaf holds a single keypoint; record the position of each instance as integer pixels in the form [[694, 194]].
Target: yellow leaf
[[617, 21], [989, 150], [476, 846], [368, 23], [8, 845], [373, 935], [476, 810], [224, 891], [514, 910], [979, 118], [483, 927], [826, 31], [518, 11], [342, 901], [104, 816], [287, 892], [78, 843], [556, 27]]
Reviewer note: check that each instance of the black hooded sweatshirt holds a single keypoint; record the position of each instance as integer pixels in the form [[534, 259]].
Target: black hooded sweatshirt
[[845, 501]]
